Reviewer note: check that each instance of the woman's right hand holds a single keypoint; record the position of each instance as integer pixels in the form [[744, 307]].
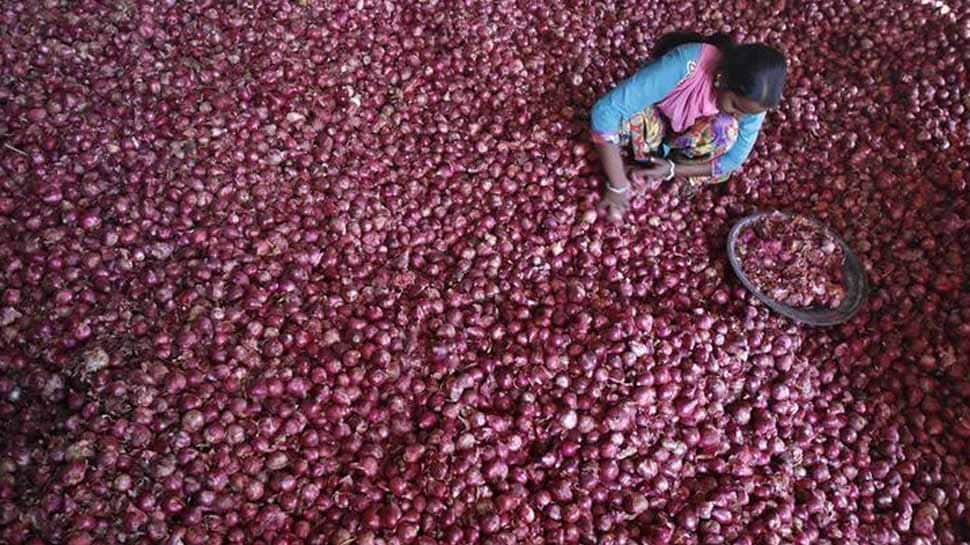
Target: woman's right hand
[[615, 204], [616, 195]]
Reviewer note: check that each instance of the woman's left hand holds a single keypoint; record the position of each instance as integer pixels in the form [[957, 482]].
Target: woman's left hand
[[688, 187], [652, 175]]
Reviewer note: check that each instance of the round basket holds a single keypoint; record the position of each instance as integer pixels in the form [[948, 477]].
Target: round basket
[[855, 279]]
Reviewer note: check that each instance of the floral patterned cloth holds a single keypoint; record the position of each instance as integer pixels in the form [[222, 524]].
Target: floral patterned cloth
[[647, 134]]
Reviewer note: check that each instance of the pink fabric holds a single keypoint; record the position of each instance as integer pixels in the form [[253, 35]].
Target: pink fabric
[[695, 96]]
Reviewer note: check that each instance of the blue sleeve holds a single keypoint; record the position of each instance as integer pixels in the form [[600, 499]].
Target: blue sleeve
[[748, 130], [648, 86]]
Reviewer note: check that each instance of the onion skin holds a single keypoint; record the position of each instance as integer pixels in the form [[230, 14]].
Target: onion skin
[[792, 261], [281, 272]]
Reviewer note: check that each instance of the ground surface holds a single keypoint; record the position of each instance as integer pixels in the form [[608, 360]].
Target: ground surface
[[278, 272]]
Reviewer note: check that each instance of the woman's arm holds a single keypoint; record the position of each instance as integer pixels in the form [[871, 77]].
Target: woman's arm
[[660, 169], [748, 130], [695, 169], [613, 165]]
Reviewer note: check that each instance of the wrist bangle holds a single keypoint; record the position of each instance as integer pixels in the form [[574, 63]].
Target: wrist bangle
[[609, 187], [673, 170]]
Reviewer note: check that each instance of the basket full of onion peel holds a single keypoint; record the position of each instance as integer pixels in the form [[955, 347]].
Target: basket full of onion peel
[[797, 267]]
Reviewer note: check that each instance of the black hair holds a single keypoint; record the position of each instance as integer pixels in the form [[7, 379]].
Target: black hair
[[754, 71], [671, 40]]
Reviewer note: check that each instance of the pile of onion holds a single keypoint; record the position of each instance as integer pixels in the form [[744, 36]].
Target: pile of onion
[[299, 271]]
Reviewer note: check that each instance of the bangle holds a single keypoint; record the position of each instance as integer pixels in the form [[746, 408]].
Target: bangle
[[673, 170], [615, 190]]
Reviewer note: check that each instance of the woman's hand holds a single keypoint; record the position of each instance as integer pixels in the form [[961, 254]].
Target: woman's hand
[[686, 188], [651, 176], [614, 203]]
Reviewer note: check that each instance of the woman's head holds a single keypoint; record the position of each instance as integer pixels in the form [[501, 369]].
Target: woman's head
[[752, 78]]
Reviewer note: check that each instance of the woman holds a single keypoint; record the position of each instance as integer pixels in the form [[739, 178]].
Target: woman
[[693, 113]]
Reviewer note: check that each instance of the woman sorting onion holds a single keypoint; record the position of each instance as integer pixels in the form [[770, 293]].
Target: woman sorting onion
[[693, 114]]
